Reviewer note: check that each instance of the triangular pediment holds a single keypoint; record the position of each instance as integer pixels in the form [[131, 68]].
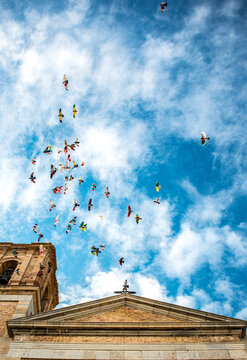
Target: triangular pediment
[[125, 313]]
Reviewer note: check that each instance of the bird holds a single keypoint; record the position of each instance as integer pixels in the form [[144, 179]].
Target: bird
[[204, 138], [57, 189], [52, 205], [80, 181], [83, 226], [138, 218], [35, 228], [77, 142], [157, 201], [90, 204], [121, 261], [74, 111], [33, 161], [32, 178], [157, 186], [40, 236], [107, 192], [48, 149], [65, 82], [53, 171], [162, 5], [56, 220], [75, 204], [129, 211], [60, 115]]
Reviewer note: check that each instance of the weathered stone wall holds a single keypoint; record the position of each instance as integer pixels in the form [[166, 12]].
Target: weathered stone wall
[[128, 339], [7, 309], [37, 350], [11, 307], [125, 314]]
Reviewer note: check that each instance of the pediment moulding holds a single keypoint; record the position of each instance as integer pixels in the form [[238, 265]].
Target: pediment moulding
[[69, 320]]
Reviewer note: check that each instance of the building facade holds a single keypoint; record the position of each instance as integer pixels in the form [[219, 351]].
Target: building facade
[[119, 327]]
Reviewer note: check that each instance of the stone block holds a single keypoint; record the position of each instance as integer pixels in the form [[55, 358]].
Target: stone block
[[102, 355], [117, 355], [88, 354], [214, 354], [170, 355], [237, 354], [183, 355], [153, 355], [133, 355]]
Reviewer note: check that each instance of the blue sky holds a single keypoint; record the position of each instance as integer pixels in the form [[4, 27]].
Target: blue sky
[[146, 85]]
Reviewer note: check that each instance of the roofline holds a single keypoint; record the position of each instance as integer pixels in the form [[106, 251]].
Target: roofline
[[127, 299]]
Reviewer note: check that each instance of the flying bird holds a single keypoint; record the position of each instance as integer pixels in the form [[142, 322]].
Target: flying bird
[[60, 115], [77, 142], [80, 181], [56, 221], [157, 186], [74, 111], [102, 246], [68, 228], [138, 218], [65, 188], [101, 217], [66, 147], [83, 226], [52, 205], [53, 171], [95, 251], [57, 189], [32, 178], [129, 211], [90, 204], [121, 261], [83, 163], [74, 165], [65, 82], [157, 201], [73, 221], [204, 138], [66, 167], [35, 228], [75, 204], [162, 5], [107, 192], [48, 149], [40, 236], [69, 178], [93, 186], [33, 161]]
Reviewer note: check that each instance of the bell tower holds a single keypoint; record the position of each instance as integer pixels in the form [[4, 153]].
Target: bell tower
[[28, 277]]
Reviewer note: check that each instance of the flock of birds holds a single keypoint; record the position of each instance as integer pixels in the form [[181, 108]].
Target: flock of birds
[[59, 189]]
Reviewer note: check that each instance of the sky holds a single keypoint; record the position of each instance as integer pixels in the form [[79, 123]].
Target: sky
[[145, 85]]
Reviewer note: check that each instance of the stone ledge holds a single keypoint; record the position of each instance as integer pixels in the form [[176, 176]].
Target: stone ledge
[[123, 347]]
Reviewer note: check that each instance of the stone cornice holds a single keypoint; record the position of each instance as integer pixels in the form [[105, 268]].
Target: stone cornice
[[62, 321], [48, 328], [126, 300], [23, 290]]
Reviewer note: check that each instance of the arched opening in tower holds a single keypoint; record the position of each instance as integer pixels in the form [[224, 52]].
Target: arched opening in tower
[[6, 271]]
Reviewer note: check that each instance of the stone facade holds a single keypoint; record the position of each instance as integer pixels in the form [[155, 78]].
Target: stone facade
[[26, 293], [121, 327]]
